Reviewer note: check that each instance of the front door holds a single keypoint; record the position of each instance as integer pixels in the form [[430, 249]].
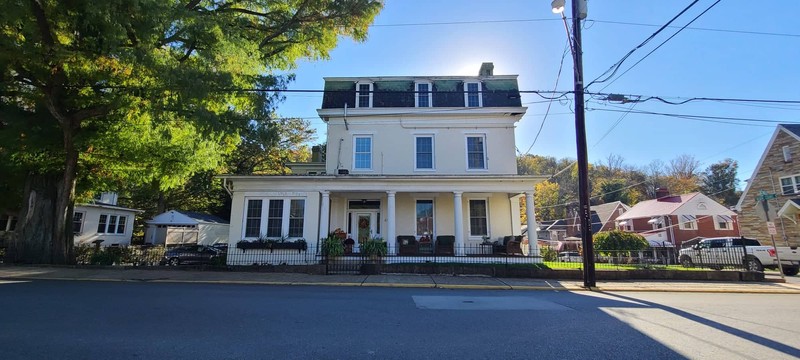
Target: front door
[[366, 225]]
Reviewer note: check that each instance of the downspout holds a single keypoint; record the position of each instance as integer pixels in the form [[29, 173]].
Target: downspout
[[339, 156], [227, 188], [345, 118]]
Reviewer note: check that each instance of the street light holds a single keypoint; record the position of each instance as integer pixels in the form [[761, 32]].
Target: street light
[[579, 13]]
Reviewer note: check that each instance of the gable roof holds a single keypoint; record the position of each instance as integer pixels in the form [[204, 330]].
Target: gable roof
[[605, 211], [175, 217], [676, 205], [793, 130]]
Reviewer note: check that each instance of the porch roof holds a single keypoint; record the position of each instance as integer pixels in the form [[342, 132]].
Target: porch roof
[[382, 183]]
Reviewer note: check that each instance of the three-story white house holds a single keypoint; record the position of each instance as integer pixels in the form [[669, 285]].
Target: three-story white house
[[412, 156]]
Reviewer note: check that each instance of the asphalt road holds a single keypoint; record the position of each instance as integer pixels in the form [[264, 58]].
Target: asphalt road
[[92, 320]]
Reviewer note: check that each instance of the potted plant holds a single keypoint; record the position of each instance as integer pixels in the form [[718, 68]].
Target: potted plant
[[374, 248], [332, 246]]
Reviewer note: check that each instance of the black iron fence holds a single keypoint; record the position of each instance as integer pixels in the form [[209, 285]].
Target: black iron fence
[[475, 257]]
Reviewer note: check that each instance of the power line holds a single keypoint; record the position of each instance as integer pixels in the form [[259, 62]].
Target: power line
[[662, 43], [700, 117], [615, 67], [550, 103], [700, 28]]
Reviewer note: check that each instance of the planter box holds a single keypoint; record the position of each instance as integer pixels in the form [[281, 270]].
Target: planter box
[[294, 245]]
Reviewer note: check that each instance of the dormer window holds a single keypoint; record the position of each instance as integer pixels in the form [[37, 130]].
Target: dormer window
[[472, 94], [364, 95], [423, 94], [787, 154]]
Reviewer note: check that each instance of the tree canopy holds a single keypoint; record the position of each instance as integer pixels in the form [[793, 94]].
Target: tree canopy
[[146, 92]]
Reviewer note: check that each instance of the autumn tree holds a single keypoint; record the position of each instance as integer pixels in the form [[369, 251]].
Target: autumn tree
[[546, 201], [148, 91]]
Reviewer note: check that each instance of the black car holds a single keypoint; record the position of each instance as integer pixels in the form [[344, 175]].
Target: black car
[[191, 254]]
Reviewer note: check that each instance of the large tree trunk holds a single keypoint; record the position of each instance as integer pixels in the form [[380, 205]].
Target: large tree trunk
[[44, 230]]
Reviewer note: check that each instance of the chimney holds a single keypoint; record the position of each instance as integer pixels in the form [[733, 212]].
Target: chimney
[[315, 154], [487, 69], [662, 193]]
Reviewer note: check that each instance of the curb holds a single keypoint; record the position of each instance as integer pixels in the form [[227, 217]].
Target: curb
[[784, 290]]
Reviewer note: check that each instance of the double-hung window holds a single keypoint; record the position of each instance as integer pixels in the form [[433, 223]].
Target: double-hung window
[[478, 218], [424, 152], [423, 94], [472, 94], [111, 224], [687, 222], [476, 152], [424, 218], [790, 184], [278, 217], [363, 95], [362, 152], [77, 222]]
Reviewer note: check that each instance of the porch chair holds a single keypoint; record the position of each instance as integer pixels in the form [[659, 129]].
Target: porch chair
[[425, 245], [444, 244], [509, 246], [407, 245]]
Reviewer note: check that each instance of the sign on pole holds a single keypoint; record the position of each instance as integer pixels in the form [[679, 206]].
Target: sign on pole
[[771, 228]]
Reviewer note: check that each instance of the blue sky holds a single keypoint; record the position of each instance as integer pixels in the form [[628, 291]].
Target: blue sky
[[726, 60]]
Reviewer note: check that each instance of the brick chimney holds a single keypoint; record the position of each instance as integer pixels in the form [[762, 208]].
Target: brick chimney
[[487, 69], [662, 193]]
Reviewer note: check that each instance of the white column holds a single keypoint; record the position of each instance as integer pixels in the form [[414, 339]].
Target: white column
[[458, 210], [533, 243], [390, 226], [324, 214]]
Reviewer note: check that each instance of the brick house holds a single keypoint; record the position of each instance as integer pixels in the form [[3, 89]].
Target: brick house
[[673, 219], [608, 213], [777, 172]]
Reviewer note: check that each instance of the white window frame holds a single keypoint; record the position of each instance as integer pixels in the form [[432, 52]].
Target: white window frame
[[285, 216], [795, 179], [433, 152], [466, 93], [433, 214], [718, 221], [371, 151], [358, 93], [83, 222], [485, 151], [469, 217], [418, 94], [687, 225], [115, 224]]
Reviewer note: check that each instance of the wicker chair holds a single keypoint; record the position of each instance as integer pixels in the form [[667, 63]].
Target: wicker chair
[[444, 244], [509, 246], [407, 245]]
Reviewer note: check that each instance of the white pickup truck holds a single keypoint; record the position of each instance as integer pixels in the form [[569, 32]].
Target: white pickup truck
[[728, 251]]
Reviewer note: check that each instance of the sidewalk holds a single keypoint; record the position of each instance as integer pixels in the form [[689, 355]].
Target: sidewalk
[[27, 273]]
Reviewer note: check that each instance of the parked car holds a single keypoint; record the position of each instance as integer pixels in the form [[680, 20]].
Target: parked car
[[728, 251], [570, 256], [191, 254]]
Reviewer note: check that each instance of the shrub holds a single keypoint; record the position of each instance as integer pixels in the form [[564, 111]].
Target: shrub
[[374, 247], [608, 242], [332, 246], [549, 254]]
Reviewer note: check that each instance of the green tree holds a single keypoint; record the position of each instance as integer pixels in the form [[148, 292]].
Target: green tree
[[719, 182], [148, 91], [609, 242]]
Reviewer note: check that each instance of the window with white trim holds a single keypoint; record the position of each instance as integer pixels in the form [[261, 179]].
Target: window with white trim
[[424, 217], [790, 184], [77, 222], [476, 152], [274, 218], [423, 145], [362, 152], [364, 94], [472, 94], [423, 94], [478, 217], [687, 222], [723, 222], [111, 224], [787, 154]]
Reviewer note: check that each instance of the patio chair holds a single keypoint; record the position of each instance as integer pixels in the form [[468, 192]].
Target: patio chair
[[407, 245], [509, 246], [444, 244], [425, 245]]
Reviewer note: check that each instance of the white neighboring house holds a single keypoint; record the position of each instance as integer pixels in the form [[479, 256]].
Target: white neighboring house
[[103, 220], [406, 156], [184, 227]]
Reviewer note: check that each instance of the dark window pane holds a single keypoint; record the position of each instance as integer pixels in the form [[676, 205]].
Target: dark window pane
[[477, 218], [275, 218], [77, 222], [121, 225], [101, 225], [253, 222], [296, 213]]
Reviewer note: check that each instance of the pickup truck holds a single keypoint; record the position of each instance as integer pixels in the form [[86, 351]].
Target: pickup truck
[[790, 259], [729, 251]]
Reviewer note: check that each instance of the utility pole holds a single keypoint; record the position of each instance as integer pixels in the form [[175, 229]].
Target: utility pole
[[764, 198]]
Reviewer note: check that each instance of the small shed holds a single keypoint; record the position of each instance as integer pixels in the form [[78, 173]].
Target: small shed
[[185, 227]]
